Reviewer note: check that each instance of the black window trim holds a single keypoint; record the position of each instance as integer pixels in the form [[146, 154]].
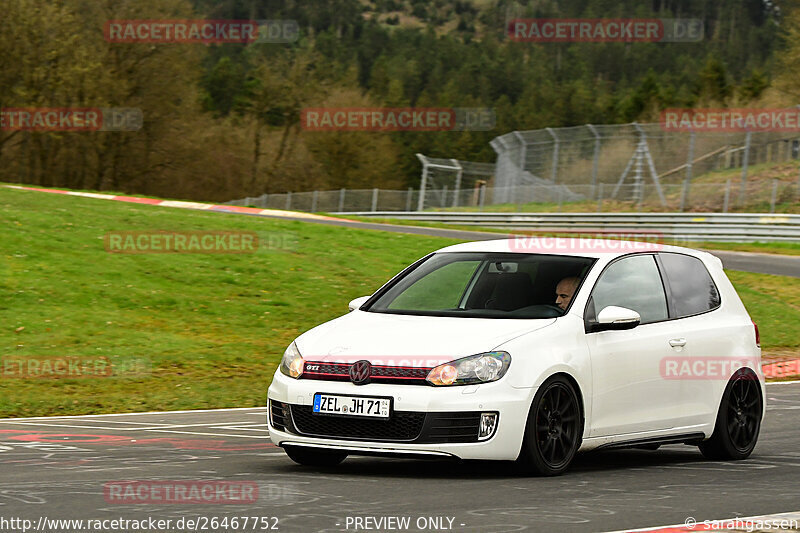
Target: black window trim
[[367, 306], [393, 281], [666, 281], [587, 327]]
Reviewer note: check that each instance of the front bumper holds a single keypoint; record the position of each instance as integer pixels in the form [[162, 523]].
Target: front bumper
[[510, 403]]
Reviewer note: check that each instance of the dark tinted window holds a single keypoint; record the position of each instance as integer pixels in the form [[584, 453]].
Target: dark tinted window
[[633, 283], [693, 290]]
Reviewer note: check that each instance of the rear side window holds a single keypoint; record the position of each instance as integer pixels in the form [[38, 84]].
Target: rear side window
[[691, 287]]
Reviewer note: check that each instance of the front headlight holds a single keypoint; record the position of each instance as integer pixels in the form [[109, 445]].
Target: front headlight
[[292, 362], [481, 368]]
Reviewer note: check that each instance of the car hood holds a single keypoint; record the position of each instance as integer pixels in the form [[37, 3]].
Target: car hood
[[405, 340]]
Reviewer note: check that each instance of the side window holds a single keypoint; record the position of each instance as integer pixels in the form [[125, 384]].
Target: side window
[[691, 288], [632, 282]]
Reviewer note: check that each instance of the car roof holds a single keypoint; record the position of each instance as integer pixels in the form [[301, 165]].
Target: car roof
[[572, 246]]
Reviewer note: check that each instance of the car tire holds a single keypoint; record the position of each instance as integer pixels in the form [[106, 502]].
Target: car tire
[[553, 430], [314, 457], [738, 419]]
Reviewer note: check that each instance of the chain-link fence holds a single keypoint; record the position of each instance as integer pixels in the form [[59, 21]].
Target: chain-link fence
[[628, 159], [772, 195], [622, 167]]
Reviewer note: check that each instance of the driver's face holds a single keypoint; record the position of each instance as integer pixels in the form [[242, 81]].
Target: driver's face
[[564, 291]]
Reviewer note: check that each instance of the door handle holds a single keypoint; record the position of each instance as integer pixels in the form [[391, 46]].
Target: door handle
[[677, 342]]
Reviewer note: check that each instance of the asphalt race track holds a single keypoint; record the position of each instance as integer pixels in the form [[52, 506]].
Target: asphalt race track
[[779, 265], [58, 467]]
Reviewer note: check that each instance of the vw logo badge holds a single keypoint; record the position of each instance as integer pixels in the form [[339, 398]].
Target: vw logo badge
[[360, 372]]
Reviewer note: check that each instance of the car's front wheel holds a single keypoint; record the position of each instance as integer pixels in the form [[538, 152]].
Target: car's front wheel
[[738, 419], [553, 430], [313, 456]]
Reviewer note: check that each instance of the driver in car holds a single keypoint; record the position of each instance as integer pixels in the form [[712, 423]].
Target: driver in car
[[564, 291]]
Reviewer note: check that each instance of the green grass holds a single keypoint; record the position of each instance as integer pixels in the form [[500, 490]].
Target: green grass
[[211, 327], [774, 304], [201, 330]]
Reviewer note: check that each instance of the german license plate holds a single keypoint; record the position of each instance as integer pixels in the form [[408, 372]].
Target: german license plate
[[334, 404]]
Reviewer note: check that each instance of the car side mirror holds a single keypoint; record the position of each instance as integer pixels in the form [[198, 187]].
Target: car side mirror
[[357, 303], [616, 318]]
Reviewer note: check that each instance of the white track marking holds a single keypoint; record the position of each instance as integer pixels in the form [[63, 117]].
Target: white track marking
[[260, 427], [210, 434], [794, 515], [189, 411], [209, 425]]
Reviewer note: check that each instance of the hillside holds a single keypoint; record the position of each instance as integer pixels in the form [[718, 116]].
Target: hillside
[[223, 121]]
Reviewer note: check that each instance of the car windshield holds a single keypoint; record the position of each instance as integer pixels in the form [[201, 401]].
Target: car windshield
[[485, 285]]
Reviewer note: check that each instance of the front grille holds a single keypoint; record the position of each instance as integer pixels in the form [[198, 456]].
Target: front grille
[[402, 375], [402, 426], [278, 413]]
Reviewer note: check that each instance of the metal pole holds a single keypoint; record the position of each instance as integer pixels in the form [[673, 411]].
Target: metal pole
[[374, 200], [289, 201], [409, 195], [688, 180], [684, 195], [459, 173], [798, 182], [421, 199], [341, 200], [745, 158], [554, 165], [774, 195], [423, 183], [600, 198], [727, 197], [596, 157], [523, 154], [637, 176], [444, 196], [482, 195], [314, 197]]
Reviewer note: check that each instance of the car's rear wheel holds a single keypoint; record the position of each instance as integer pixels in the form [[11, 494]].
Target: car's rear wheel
[[738, 419], [553, 429], [313, 456]]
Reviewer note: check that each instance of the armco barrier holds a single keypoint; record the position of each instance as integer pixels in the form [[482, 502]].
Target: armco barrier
[[729, 227]]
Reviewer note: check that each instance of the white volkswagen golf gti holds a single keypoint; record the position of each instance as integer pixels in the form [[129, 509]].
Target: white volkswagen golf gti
[[528, 350]]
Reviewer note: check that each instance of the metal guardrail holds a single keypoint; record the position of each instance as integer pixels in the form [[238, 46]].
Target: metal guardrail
[[730, 227]]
